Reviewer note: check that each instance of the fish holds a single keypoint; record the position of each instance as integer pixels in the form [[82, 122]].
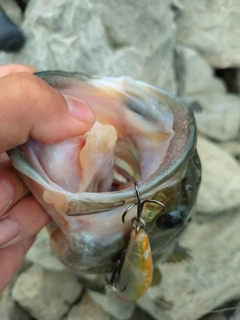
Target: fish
[[139, 159]]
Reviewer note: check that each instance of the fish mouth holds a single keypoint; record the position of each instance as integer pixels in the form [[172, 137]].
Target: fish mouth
[[141, 135], [148, 135]]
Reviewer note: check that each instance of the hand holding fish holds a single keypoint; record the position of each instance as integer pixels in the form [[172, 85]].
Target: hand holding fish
[[29, 107], [136, 142]]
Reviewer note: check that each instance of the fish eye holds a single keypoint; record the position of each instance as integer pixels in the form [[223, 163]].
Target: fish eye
[[171, 220]]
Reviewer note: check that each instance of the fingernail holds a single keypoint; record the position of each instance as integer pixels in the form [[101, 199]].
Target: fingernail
[[6, 195], [79, 109], [9, 229]]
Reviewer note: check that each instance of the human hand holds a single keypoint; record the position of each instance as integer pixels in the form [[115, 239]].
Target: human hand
[[29, 107]]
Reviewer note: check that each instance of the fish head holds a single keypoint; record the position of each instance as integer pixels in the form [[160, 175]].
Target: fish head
[[141, 134]]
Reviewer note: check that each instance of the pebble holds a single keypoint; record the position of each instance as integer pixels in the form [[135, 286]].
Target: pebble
[[120, 309], [232, 147], [194, 74], [220, 187], [217, 115], [219, 316], [40, 253], [9, 309], [46, 294], [12, 10], [212, 29], [88, 309], [101, 38]]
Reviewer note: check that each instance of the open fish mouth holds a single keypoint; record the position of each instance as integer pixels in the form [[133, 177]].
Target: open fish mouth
[[141, 134], [127, 143]]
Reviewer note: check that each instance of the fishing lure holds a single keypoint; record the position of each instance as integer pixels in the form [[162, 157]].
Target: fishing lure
[[133, 273]]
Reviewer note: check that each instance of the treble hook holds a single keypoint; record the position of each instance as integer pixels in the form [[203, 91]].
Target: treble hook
[[138, 222], [113, 281]]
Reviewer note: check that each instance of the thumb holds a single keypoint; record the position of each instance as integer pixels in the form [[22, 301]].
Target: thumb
[[30, 107]]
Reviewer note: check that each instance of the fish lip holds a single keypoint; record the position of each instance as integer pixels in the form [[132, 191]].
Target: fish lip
[[146, 187]]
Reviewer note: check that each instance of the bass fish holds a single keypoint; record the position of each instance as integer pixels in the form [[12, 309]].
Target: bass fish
[[121, 194]]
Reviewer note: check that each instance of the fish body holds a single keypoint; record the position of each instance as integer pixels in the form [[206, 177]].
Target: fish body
[[86, 183]]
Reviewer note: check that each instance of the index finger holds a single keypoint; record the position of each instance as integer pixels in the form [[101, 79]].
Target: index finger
[[30, 107]]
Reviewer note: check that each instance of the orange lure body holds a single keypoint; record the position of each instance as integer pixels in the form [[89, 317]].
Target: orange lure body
[[137, 270]]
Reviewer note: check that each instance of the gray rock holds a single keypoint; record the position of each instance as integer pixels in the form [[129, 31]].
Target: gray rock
[[193, 73], [119, 309], [12, 10], [46, 294], [9, 310], [197, 286], [217, 115], [220, 188], [88, 309], [100, 38], [236, 315], [232, 147], [177, 4], [139, 314], [238, 80], [227, 311], [40, 253], [6, 304], [217, 316], [212, 28]]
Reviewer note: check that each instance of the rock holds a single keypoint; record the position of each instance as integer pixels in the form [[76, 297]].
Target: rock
[[227, 311], [40, 253], [139, 314], [23, 3], [238, 81], [46, 294], [219, 316], [217, 115], [212, 28], [6, 303], [119, 309], [88, 309], [9, 310], [100, 38], [197, 286], [232, 147], [236, 312], [193, 73], [230, 77], [12, 10], [220, 188], [176, 4]]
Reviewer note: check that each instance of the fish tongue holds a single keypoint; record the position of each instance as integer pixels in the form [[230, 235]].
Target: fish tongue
[[97, 159]]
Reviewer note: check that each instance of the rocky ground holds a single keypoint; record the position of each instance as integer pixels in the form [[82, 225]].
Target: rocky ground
[[188, 47]]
